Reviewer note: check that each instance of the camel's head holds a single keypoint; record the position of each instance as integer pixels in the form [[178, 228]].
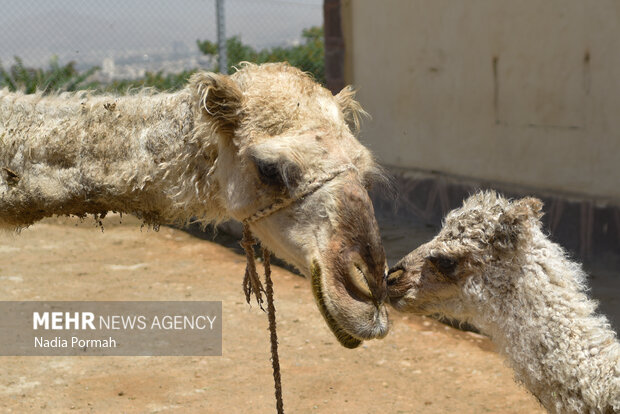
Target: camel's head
[[471, 258], [281, 136]]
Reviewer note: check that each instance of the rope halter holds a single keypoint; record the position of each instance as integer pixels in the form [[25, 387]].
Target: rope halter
[[251, 281], [301, 193]]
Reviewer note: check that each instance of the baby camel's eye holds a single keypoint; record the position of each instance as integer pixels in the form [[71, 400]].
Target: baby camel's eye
[[444, 264]]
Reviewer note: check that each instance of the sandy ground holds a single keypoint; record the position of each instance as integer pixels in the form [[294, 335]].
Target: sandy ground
[[422, 366]]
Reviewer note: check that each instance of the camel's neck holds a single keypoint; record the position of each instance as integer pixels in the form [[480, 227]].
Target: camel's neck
[[80, 154], [544, 323]]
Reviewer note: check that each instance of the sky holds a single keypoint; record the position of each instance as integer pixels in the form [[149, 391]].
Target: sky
[[94, 29]]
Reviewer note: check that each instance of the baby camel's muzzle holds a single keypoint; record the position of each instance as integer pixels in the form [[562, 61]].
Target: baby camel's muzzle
[[395, 284]]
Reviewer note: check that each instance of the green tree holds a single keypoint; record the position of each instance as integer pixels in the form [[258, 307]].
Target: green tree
[[308, 56], [67, 78], [54, 78]]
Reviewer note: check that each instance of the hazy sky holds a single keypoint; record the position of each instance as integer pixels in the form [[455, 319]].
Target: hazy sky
[[81, 29]]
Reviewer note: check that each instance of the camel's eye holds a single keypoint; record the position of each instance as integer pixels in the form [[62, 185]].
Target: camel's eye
[[269, 173], [444, 264]]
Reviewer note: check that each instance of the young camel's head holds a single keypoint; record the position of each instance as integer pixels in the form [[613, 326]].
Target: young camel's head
[[279, 135], [474, 255]]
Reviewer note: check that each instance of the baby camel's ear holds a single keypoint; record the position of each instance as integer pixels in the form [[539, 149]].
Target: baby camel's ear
[[527, 208], [219, 97], [515, 222], [351, 109]]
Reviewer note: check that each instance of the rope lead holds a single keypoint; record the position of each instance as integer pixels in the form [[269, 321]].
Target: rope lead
[[253, 286], [251, 281]]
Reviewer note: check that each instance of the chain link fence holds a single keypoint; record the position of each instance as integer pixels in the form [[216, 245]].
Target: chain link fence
[[94, 43]]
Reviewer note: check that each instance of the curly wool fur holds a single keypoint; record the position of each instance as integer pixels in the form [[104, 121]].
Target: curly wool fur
[[532, 302], [522, 290]]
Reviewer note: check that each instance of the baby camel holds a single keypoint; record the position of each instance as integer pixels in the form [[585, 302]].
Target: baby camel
[[491, 265]]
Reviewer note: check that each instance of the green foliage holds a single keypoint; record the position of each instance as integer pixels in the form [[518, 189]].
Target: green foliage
[[54, 78], [66, 78], [157, 80], [308, 56]]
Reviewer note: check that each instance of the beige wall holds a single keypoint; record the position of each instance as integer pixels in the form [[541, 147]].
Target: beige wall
[[521, 92]]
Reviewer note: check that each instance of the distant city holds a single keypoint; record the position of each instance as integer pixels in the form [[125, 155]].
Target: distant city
[[127, 38], [135, 64]]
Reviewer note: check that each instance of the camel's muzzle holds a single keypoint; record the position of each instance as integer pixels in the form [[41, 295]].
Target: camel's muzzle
[[361, 256], [395, 283], [348, 275], [403, 279], [353, 281], [345, 339]]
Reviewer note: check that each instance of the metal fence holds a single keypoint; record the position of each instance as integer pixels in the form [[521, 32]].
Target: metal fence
[[128, 38]]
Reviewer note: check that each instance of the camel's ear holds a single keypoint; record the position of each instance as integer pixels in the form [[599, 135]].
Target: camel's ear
[[351, 109], [528, 208], [515, 222], [220, 99]]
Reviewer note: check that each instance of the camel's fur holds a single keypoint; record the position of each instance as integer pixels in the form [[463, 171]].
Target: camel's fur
[[149, 154], [72, 155], [491, 265], [223, 147]]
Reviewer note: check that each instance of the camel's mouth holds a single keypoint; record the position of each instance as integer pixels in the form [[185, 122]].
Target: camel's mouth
[[345, 339], [404, 285], [396, 290]]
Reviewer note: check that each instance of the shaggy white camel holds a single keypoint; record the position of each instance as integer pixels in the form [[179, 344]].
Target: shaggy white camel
[[266, 145], [492, 266]]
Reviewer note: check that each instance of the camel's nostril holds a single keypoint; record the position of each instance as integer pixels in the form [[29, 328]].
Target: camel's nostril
[[357, 276], [394, 275]]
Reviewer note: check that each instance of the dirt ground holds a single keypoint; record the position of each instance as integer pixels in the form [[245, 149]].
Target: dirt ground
[[422, 366]]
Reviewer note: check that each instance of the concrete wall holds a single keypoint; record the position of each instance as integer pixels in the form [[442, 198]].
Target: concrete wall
[[520, 92]]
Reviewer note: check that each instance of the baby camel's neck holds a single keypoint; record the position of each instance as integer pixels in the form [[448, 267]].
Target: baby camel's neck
[[545, 324]]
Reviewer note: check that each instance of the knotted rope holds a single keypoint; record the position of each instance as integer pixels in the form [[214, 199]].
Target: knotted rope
[[251, 281], [253, 285]]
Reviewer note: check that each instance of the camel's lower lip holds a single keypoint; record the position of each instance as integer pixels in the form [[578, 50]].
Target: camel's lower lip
[[345, 339]]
